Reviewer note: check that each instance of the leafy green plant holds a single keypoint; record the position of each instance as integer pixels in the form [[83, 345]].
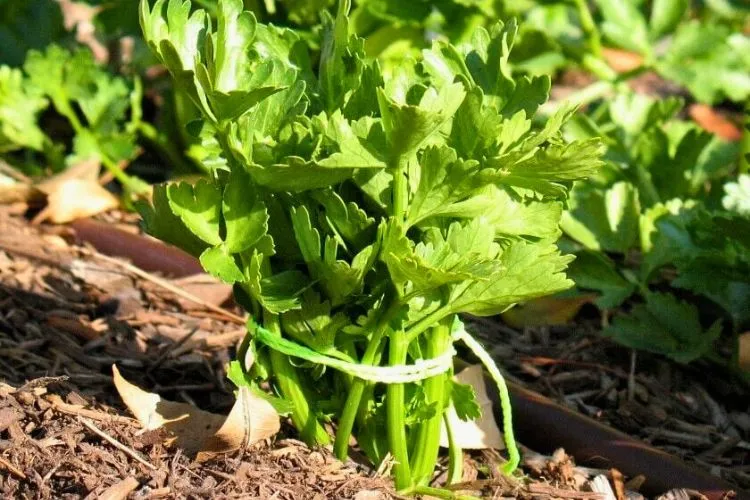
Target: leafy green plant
[[16, 39], [357, 214], [687, 45], [101, 109], [706, 56], [653, 219]]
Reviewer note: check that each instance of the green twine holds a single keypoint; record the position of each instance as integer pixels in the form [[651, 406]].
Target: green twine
[[400, 374], [514, 457]]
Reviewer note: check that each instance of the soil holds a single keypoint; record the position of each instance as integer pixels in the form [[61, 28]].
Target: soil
[[67, 314]]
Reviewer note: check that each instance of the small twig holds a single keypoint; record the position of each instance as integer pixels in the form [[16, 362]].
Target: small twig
[[12, 468], [166, 285], [718, 415], [128, 451], [69, 409], [225, 339], [222, 475], [42, 382]]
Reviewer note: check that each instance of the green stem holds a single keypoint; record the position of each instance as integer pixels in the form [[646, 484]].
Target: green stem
[[598, 67], [455, 453], [395, 409], [427, 442], [514, 457], [63, 107], [427, 322], [132, 184], [400, 189], [353, 400], [588, 26], [369, 394], [291, 389], [650, 196]]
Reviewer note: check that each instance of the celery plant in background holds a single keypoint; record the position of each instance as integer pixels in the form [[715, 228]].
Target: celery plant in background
[[655, 224], [700, 46], [358, 214], [101, 109]]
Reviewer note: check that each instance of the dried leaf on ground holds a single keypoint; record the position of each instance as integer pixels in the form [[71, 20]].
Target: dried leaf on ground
[[71, 194], [712, 121], [197, 431], [104, 278], [204, 286], [76, 198], [475, 434], [622, 61], [547, 311]]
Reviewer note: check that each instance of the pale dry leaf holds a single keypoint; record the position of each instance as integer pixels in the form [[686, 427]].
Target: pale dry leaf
[[85, 170], [199, 432], [80, 16], [600, 484], [477, 434], [107, 279], [204, 286], [18, 188], [622, 61], [547, 311], [744, 352], [19, 192], [73, 199]]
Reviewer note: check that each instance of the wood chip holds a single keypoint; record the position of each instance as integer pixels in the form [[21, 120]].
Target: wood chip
[[74, 326], [121, 490], [543, 489]]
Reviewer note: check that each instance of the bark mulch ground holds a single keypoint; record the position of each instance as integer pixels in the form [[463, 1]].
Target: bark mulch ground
[[67, 314], [696, 412], [55, 447]]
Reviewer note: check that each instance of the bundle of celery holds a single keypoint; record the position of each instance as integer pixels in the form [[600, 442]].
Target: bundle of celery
[[357, 214]]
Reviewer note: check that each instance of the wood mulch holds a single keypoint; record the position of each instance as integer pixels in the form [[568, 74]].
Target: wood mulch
[[68, 314], [695, 412], [54, 447]]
